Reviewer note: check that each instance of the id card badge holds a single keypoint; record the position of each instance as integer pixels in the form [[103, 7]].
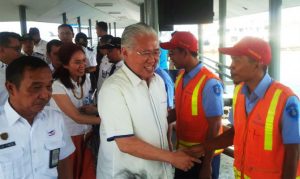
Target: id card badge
[[54, 158]]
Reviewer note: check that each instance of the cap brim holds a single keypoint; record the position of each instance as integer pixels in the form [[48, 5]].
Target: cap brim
[[167, 45], [109, 46], [230, 51]]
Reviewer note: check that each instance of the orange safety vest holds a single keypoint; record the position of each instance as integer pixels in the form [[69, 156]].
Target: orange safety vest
[[191, 123], [258, 146]]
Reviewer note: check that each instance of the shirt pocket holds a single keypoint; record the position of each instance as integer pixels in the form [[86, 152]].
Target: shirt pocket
[[51, 145], [11, 163]]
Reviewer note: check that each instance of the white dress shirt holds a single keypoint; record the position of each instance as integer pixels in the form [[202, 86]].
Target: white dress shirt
[[41, 47], [128, 107], [25, 149], [104, 70], [91, 57]]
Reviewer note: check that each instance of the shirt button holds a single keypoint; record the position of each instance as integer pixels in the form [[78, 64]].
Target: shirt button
[[34, 151], [35, 170]]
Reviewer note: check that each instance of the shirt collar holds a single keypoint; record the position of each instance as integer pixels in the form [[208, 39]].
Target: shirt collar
[[261, 88], [2, 64], [194, 71], [120, 63], [12, 116], [135, 80]]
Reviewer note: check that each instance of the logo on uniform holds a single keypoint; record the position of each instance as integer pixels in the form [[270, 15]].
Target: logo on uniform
[[292, 111], [217, 89], [104, 74], [4, 136], [51, 133]]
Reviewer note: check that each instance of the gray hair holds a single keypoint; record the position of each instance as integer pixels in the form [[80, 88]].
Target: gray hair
[[131, 32]]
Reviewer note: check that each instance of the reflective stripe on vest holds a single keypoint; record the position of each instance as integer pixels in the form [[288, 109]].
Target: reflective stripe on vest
[[183, 144], [236, 91], [237, 174], [178, 79], [268, 141], [195, 96]]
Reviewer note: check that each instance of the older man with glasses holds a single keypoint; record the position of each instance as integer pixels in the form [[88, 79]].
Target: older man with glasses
[[132, 104], [10, 49]]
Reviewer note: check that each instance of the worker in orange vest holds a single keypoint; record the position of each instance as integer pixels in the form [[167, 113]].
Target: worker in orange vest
[[198, 104], [265, 116]]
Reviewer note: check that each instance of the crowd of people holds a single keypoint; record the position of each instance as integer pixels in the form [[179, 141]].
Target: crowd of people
[[68, 111]]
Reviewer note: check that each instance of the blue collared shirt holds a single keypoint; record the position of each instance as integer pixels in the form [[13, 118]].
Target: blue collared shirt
[[290, 121], [169, 86], [212, 95]]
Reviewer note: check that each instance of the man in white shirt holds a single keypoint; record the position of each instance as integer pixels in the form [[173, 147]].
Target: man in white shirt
[[33, 139], [132, 104], [39, 44], [27, 47], [101, 29], [114, 62], [53, 47], [10, 49]]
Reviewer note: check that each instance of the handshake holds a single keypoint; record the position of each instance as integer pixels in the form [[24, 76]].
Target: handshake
[[184, 159]]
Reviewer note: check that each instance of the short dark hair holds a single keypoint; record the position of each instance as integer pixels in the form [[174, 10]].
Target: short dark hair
[[105, 39], [6, 36], [52, 43], [102, 25], [65, 53], [34, 31], [66, 25], [15, 70], [79, 36]]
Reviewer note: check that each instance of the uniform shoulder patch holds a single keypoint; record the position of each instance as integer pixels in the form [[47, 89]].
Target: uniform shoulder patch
[[217, 89], [292, 111]]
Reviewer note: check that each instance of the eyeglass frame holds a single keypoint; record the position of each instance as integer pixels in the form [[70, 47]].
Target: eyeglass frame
[[149, 53], [16, 48]]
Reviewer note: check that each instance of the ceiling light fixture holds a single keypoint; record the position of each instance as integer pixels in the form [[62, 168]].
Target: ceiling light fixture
[[104, 4], [114, 12]]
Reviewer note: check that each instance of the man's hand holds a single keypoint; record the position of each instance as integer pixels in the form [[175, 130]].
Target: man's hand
[[196, 151], [183, 161]]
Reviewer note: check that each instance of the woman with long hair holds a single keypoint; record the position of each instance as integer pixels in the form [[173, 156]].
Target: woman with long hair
[[70, 88]]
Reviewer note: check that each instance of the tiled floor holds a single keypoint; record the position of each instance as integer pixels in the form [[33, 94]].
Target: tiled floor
[[226, 168]]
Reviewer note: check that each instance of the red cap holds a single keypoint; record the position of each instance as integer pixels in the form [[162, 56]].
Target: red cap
[[252, 47], [185, 40]]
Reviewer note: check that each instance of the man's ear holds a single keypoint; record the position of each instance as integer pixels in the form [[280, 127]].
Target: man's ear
[[124, 52], [10, 87]]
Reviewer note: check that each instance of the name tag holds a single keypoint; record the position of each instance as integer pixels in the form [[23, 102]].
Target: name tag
[[54, 158], [10, 144]]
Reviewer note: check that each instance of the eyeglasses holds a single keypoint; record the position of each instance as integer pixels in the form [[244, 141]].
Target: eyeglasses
[[16, 48], [149, 54]]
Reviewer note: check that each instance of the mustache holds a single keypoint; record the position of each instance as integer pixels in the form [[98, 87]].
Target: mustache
[[42, 101]]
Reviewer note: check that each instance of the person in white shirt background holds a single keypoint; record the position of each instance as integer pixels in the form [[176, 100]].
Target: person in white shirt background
[[34, 142], [115, 59], [10, 49], [27, 47], [105, 65], [53, 47], [39, 44]]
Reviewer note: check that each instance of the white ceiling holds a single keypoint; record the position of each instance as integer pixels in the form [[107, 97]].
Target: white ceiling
[[123, 12]]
